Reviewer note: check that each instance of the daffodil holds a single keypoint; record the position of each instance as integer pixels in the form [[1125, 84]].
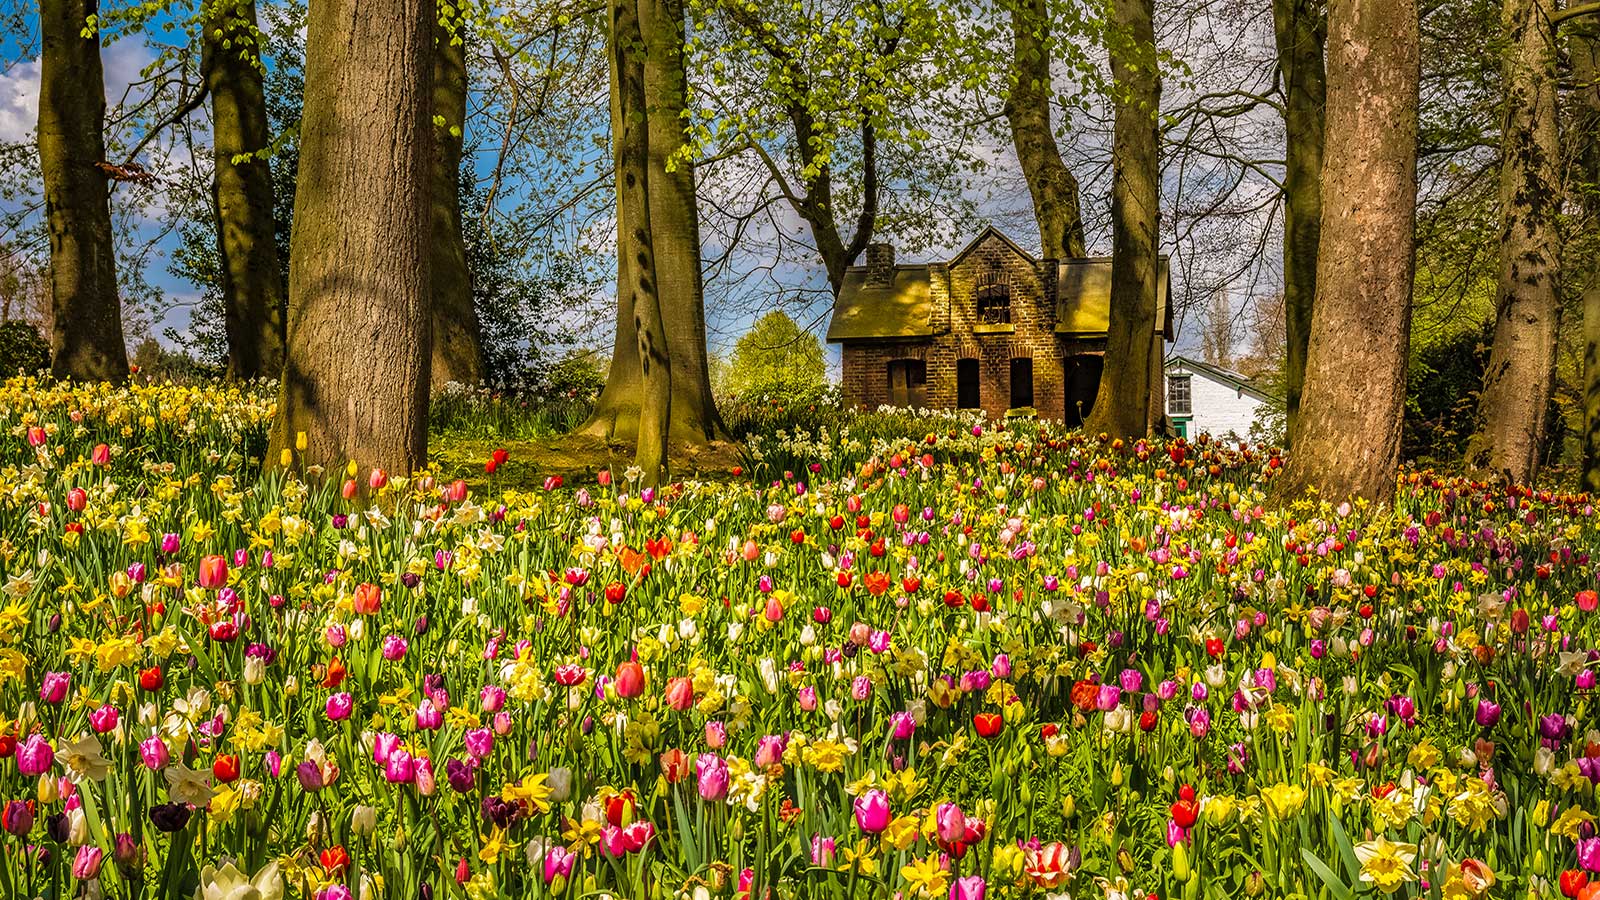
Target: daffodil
[[1385, 864]]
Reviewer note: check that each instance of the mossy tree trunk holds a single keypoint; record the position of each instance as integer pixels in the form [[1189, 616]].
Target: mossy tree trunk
[[1520, 376], [1585, 55], [636, 268], [1301, 31], [457, 336], [356, 374], [1347, 442], [252, 282], [1123, 405], [675, 243], [1056, 204], [86, 340]]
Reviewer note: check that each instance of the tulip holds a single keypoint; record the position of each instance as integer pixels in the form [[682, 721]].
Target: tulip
[[712, 777], [155, 754], [53, 689], [213, 572], [630, 680], [86, 865], [104, 719], [872, 811], [367, 599], [35, 756], [17, 818], [339, 706], [558, 863], [969, 887], [479, 741]]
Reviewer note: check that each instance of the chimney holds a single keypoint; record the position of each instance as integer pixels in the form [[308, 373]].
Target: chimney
[[880, 264]]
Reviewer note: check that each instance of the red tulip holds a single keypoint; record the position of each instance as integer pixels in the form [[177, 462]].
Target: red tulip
[[630, 679], [1186, 811], [1573, 881], [349, 490], [151, 679], [988, 724], [101, 456], [377, 479], [368, 599], [226, 768], [77, 499], [213, 572]]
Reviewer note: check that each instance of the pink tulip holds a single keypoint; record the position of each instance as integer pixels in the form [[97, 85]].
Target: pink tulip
[[153, 751], [872, 811], [35, 756], [86, 865], [712, 777], [970, 887]]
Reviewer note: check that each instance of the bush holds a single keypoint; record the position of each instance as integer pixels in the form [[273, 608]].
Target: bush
[[23, 350]]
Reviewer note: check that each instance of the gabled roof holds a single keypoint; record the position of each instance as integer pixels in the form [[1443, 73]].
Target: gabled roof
[[1083, 297], [991, 231], [1221, 375], [904, 309], [898, 310]]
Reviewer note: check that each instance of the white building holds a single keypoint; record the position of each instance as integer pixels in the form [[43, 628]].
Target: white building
[[1205, 399]]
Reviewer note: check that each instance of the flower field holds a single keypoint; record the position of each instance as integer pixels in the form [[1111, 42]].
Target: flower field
[[936, 659]]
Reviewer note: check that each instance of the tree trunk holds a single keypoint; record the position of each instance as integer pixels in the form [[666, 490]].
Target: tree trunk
[[675, 240], [1301, 33], [252, 283], [1054, 189], [1348, 438], [1122, 408], [1520, 377], [636, 272], [457, 337], [356, 375], [1585, 54], [86, 340]]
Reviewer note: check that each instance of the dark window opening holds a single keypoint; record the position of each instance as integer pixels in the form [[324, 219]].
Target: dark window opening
[[908, 383], [993, 293], [1082, 379], [1021, 383], [967, 395], [1179, 399]]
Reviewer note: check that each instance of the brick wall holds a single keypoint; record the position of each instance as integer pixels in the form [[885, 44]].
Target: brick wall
[[959, 335]]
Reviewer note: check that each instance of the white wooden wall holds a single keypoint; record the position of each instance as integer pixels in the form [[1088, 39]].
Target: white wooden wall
[[1218, 407]]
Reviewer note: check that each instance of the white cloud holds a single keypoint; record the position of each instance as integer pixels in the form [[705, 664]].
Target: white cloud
[[19, 101]]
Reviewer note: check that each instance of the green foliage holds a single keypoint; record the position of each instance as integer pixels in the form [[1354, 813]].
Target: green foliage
[[776, 358], [155, 364], [22, 349]]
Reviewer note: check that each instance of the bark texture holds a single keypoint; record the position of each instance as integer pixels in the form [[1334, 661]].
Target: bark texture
[[1301, 32], [241, 191], [1056, 205], [636, 269], [1520, 377], [86, 339], [675, 241], [1585, 54], [1122, 408], [457, 336], [1348, 438], [356, 375]]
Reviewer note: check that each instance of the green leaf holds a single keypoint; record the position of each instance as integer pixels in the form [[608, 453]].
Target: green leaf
[[1327, 875]]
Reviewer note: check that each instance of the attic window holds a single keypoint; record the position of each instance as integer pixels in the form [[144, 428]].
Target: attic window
[[993, 292]]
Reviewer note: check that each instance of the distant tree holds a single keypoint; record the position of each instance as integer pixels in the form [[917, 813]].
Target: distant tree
[[776, 357]]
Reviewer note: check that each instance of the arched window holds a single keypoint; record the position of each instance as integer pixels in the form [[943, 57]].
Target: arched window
[[993, 292]]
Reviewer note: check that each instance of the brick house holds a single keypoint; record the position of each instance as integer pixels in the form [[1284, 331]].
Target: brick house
[[991, 329]]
